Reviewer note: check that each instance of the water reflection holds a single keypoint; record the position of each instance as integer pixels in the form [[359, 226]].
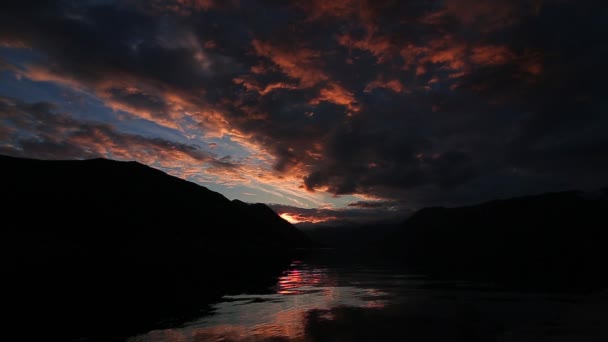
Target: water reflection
[[282, 315], [323, 303]]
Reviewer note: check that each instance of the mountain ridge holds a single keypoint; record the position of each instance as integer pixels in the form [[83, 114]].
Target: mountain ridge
[[555, 239], [121, 245]]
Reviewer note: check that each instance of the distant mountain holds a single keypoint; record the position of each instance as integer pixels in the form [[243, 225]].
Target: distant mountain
[[356, 237], [124, 242], [557, 239]]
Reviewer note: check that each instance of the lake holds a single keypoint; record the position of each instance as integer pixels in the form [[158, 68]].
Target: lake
[[326, 297]]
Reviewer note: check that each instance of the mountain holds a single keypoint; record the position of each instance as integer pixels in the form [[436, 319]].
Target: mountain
[[118, 245], [356, 237], [100, 199], [554, 239]]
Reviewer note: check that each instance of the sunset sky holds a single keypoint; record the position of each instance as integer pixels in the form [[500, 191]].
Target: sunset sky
[[328, 110]]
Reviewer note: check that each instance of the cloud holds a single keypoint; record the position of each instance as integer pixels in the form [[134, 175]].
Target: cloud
[[342, 216], [379, 46], [415, 102], [337, 94], [394, 85], [6, 66], [299, 63], [483, 15], [319, 9], [491, 55], [38, 130], [184, 7], [389, 206]]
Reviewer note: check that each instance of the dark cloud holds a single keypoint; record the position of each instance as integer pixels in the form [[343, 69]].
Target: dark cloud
[[377, 204], [418, 102], [4, 65]]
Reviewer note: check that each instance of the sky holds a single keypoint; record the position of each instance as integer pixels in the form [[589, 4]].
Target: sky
[[330, 111]]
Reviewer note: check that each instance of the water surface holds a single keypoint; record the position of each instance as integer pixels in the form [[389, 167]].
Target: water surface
[[327, 300]]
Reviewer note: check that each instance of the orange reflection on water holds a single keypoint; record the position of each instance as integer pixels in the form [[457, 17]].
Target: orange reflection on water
[[288, 324], [295, 279], [278, 317]]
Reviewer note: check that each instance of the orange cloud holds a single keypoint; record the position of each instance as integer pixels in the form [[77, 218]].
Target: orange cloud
[[491, 55], [249, 83], [344, 9], [531, 63], [301, 64], [446, 51], [169, 106], [212, 122], [62, 136], [458, 57], [276, 85], [115, 90], [394, 85], [147, 99], [252, 85], [377, 45], [337, 94], [533, 68], [298, 63]]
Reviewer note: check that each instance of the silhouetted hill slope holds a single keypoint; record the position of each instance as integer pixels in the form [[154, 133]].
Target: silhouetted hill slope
[[118, 245], [100, 198], [556, 237]]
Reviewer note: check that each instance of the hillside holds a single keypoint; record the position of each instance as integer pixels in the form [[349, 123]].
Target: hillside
[[557, 239], [126, 244]]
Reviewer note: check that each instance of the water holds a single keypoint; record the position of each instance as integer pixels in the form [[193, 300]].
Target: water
[[327, 300]]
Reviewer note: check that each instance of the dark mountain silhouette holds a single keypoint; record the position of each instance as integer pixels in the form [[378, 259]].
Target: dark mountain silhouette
[[359, 239], [118, 245], [550, 240]]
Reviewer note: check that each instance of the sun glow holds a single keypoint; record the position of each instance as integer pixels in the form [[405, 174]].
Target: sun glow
[[294, 218], [287, 217]]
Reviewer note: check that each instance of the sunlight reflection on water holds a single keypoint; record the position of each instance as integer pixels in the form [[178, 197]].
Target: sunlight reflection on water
[[254, 317], [374, 303]]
